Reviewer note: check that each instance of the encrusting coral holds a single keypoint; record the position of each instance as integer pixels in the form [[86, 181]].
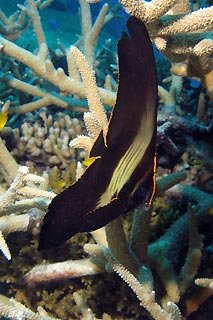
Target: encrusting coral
[[158, 265]]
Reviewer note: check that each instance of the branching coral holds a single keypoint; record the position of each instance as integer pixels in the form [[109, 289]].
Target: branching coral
[[146, 297], [41, 64], [13, 309], [169, 98], [14, 26], [181, 33], [159, 255], [22, 193], [205, 283]]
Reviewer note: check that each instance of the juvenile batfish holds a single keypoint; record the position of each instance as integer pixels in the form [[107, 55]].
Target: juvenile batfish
[[121, 175]]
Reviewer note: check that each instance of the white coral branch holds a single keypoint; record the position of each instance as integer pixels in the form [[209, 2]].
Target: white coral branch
[[82, 142], [62, 270], [13, 309], [93, 97], [19, 187], [146, 298], [4, 247], [204, 282]]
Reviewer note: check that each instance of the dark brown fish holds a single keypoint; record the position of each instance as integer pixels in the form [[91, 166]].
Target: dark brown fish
[[123, 175]]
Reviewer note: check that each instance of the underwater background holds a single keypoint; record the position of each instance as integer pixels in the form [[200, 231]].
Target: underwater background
[[39, 123]]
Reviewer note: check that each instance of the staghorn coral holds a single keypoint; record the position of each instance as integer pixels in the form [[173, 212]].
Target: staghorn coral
[[22, 186], [12, 308], [147, 297], [204, 283], [182, 33], [157, 251], [13, 27], [42, 66], [169, 98]]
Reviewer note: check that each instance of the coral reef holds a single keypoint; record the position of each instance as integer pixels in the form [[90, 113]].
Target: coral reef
[[46, 140], [162, 252], [181, 30]]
